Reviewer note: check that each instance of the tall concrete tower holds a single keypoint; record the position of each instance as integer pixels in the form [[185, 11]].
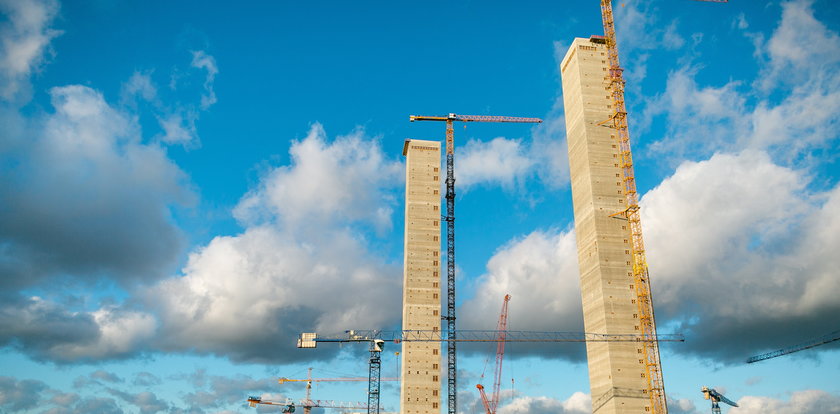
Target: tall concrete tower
[[616, 369], [420, 374]]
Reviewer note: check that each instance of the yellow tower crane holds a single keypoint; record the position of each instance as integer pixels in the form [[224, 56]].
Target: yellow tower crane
[[615, 80]]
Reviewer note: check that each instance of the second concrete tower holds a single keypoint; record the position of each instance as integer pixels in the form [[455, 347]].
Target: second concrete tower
[[420, 375], [616, 369]]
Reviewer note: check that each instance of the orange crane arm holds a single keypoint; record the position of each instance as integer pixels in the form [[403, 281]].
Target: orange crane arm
[[484, 399]]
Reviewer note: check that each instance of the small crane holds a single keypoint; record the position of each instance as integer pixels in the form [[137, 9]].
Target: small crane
[[451, 356], [307, 404], [310, 340], [825, 339], [716, 397], [309, 380], [493, 403]]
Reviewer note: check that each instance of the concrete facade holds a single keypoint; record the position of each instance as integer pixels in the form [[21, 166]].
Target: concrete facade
[[420, 375], [616, 369]]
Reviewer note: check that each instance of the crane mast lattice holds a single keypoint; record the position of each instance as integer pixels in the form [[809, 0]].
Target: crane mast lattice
[[647, 324], [653, 366], [492, 403]]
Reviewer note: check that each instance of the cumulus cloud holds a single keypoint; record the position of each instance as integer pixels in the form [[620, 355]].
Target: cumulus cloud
[[248, 296], [540, 272], [765, 259], [48, 330], [798, 402], [681, 406], [343, 181], [220, 391], [501, 161], [801, 46], [146, 379], [84, 196], [99, 405], [576, 403], [719, 110], [18, 395], [788, 112], [106, 376], [26, 36], [147, 402]]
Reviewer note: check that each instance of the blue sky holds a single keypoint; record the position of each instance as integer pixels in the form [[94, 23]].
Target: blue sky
[[186, 187]]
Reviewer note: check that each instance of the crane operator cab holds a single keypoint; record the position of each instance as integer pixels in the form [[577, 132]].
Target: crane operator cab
[[289, 408]]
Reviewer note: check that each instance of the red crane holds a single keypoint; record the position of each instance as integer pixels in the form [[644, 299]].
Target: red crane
[[493, 403]]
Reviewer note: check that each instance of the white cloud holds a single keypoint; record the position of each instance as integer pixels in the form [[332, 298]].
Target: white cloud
[[49, 330], [139, 84], [121, 333], [789, 112], [179, 128], [201, 60], [701, 119], [548, 139], [714, 209], [502, 161], [177, 120], [799, 402], [540, 272], [800, 48], [762, 257], [19, 395], [576, 403], [298, 266], [249, 296], [25, 38], [327, 182], [88, 195], [681, 406], [728, 258]]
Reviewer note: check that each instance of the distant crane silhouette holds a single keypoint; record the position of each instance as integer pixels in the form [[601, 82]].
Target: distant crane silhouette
[[716, 397], [828, 338]]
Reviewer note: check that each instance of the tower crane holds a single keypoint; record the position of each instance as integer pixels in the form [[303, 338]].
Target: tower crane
[[452, 370], [309, 380], [615, 79], [716, 397], [377, 339], [491, 404], [307, 404], [309, 340], [825, 339]]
